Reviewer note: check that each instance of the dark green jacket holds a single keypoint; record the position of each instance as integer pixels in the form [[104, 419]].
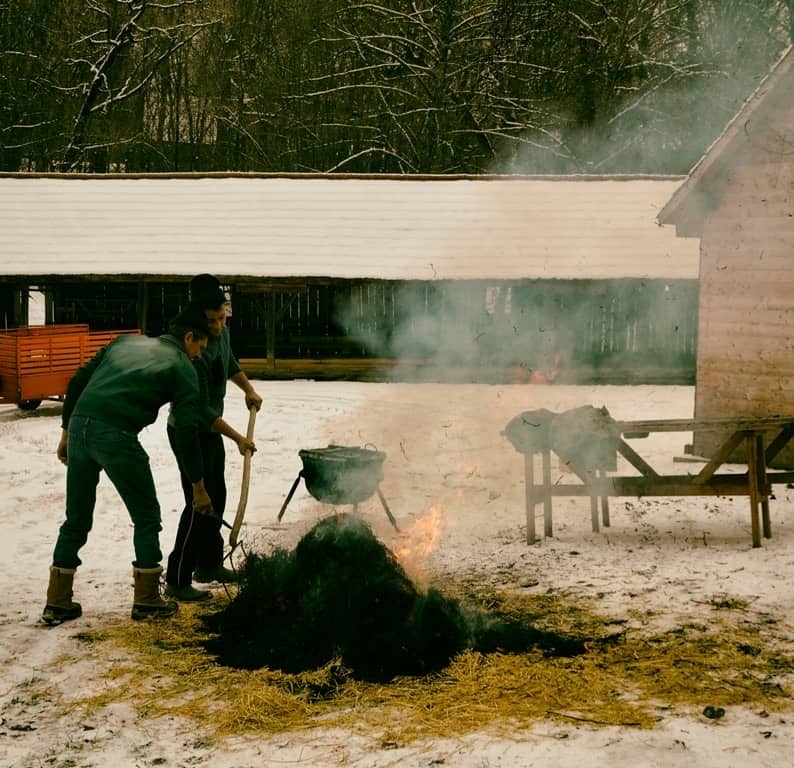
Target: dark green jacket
[[128, 381]]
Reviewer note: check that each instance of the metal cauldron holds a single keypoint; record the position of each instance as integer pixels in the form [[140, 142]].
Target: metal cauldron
[[342, 475]]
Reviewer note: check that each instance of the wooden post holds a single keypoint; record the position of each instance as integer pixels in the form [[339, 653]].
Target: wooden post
[[142, 307], [604, 501], [529, 495], [592, 475], [594, 513], [548, 528], [752, 481], [20, 307], [49, 306], [270, 314], [763, 482]]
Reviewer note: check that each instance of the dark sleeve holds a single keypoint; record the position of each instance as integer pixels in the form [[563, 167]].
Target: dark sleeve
[[207, 414], [234, 366], [185, 410], [78, 383]]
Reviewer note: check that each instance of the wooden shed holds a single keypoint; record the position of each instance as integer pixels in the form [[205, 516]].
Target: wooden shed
[[739, 200], [472, 278]]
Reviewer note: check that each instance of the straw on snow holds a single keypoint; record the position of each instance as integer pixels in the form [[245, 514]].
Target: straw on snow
[[628, 679]]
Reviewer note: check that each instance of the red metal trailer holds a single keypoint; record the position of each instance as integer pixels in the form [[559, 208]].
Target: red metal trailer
[[37, 362]]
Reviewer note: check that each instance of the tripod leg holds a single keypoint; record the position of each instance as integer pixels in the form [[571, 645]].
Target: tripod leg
[[388, 511], [289, 495]]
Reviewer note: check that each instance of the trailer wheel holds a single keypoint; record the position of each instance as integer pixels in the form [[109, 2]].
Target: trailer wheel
[[29, 405]]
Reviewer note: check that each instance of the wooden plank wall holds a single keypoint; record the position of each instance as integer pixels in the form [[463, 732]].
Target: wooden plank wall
[[116, 304], [591, 326], [745, 364], [531, 325], [103, 305]]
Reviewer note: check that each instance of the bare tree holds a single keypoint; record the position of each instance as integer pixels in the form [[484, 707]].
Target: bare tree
[[410, 85], [94, 61], [382, 86], [28, 116], [125, 43], [559, 85], [264, 53]]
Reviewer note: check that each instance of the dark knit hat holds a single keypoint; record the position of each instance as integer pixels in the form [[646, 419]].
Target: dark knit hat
[[206, 292], [204, 283]]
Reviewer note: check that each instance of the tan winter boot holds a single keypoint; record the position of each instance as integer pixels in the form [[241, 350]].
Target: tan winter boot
[[60, 606], [148, 602]]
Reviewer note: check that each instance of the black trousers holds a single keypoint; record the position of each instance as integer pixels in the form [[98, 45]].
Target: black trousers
[[199, 543]]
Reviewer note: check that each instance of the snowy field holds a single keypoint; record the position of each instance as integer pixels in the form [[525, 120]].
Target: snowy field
[[445, 453]]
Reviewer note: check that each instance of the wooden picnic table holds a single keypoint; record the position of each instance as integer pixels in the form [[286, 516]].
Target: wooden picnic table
[[763, 439]]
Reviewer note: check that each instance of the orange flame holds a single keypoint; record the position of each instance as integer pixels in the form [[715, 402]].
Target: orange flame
[[421, 539]]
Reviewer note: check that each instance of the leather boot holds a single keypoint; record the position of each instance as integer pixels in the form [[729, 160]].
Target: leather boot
[[60, 607], [147, 601], [218, 573], [187, 594]]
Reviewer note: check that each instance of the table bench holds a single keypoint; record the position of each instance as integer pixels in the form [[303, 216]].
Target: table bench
[[763, 439]]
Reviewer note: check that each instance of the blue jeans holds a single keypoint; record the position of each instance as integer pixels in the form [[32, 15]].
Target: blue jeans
[[94, 446]]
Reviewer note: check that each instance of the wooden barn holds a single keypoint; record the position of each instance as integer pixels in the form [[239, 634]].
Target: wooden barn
[[739, 200], [486, 278]]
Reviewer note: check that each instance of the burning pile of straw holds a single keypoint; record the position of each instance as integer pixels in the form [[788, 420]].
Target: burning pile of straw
[[342, 594]]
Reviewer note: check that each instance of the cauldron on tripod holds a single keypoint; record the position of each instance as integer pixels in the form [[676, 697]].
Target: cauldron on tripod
[[341, 474]]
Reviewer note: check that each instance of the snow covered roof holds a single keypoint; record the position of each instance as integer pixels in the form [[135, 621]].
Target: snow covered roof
[[276, 226]]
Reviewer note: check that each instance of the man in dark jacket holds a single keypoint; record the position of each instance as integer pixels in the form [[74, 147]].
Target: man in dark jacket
[[198, 549], [108, 402]]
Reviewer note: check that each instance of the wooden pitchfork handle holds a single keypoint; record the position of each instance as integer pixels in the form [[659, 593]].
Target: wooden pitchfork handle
[[238, 518]]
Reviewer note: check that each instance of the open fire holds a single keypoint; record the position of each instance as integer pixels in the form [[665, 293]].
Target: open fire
[[341, 594], [420, 540]]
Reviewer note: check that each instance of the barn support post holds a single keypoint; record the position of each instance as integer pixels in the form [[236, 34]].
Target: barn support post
[[142, 306], [20, 306], [49, 306], [270, 328]]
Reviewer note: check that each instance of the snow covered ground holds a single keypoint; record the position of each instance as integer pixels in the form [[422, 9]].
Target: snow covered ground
[[445, 452]]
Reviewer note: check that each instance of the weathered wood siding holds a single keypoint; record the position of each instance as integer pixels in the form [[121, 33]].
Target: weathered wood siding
[[745, 363], [626, 330], [587, 325]]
